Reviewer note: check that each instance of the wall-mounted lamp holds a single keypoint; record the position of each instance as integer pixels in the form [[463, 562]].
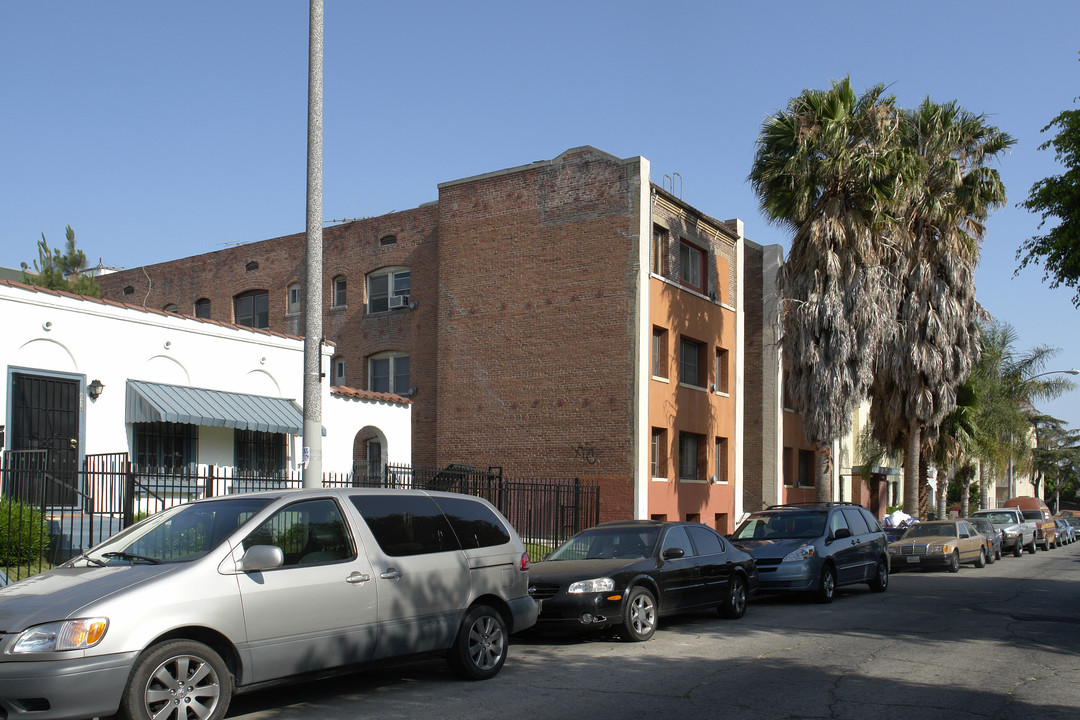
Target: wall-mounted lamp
[[95, 388]]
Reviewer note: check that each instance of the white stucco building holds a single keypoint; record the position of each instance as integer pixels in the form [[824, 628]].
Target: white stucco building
[[86, 377]]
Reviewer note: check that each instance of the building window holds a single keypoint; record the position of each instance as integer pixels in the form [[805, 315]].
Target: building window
[[787, 468], [659, 352], [259, 454], [720, 470], [721, 371], [338, 374], [691, 364], [339, 291], [658, 453], [690, 460], [165, 447], [388, 240], [172, 308], [202, 308], [388, 290], [252, 309], [692, 266], [806, 469], [293, 299], [720, 523], [389, 374], [660, 243]]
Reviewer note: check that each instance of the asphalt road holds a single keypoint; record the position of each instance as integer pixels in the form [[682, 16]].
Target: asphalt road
[[997, 642]]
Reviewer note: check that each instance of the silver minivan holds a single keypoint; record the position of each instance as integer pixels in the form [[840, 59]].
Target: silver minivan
[[171, 616]]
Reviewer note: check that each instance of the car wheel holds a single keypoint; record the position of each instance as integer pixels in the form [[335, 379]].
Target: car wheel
[[175, 680], [1031, 547], [880, 583], [826, 589], [980, 562], [990, 557], [479, 651], [1018, 549], [998, 553], [639, 615], [954, 562], [734, 606]]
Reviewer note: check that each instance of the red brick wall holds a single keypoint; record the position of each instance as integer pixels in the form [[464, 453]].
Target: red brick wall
[[537, 273]]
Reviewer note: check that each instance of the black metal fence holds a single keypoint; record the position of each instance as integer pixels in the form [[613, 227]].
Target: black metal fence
[[109, 493]]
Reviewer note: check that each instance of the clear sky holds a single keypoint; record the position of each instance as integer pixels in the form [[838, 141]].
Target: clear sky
[[160, 130]]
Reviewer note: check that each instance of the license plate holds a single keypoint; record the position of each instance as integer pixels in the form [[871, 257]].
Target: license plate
[[913, 559]]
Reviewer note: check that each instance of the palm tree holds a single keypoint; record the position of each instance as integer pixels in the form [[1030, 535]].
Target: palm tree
[[828, 168], [936, 339], [1009, 384]]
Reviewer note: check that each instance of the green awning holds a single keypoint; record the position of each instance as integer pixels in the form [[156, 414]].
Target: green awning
[[156, 402]]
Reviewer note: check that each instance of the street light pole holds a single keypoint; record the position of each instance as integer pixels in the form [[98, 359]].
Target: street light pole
[[313, 289]]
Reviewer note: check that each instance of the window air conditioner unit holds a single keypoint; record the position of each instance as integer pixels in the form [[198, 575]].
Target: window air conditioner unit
[[399, 301]]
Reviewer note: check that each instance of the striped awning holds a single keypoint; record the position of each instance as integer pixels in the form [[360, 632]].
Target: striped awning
[[156, 402]]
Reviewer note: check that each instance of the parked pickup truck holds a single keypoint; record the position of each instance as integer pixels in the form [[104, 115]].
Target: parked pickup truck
[[1034, 509], [1018, 532]]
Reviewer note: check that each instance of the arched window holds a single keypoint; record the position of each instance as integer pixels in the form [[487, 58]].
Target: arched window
[[252, 309], [339, 291], [172, 308], [389, 373], [388, 289]]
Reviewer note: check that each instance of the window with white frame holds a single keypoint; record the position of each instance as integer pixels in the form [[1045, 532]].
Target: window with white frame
[[293, 299], [338, 375], [692, 364], [388, 289], [692, 266], [659, 352], [389, 373], [658, 453], [339, 291]]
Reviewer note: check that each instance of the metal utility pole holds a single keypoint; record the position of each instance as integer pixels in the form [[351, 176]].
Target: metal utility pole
[[313, 289]]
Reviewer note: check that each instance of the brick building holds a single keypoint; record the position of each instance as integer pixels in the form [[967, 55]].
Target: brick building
[[568, 318]]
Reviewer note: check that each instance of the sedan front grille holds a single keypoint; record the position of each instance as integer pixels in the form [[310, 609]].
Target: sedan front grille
[[912, 549], [543, 591]]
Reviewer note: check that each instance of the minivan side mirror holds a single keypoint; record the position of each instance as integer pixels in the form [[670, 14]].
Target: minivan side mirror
[[262, 557]]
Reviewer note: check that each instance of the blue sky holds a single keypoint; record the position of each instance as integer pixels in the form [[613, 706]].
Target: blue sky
[[161, 130]]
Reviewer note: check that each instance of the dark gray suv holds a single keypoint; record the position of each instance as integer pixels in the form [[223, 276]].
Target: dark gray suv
[[816, 548]]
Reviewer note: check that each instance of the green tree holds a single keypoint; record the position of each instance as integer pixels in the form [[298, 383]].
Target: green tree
[[828, 168], [1057, 198], [62, 271], [946, 202]]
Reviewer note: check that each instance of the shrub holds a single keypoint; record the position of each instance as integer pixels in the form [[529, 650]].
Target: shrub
[[24, 533]]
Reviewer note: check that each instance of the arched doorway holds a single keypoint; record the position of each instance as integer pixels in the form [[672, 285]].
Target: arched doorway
[[369, 456]]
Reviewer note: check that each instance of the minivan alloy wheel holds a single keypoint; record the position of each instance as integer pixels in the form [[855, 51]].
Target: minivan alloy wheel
[[178, 680], [479, 651]]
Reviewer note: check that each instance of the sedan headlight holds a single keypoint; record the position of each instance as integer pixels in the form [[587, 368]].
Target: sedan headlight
[[804, 553], [943, 549], [63, 635], [604, 584], [893, 550]]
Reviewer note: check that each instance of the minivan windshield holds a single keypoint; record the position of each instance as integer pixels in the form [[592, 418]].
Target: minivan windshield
[[179, 534], [782, 525]]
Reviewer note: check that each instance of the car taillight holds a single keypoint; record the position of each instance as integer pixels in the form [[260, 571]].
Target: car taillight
[[524, 561]]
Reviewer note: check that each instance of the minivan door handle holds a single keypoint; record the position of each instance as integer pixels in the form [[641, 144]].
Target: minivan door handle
[[391, 574], [358, 577]]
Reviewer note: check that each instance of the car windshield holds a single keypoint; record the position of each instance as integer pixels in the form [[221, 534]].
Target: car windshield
[[782, 525], [1000, 518], [603, 543], [930, 530], [180, 534]]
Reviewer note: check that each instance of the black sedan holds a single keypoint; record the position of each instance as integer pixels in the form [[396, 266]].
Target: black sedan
[[627, 574]]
